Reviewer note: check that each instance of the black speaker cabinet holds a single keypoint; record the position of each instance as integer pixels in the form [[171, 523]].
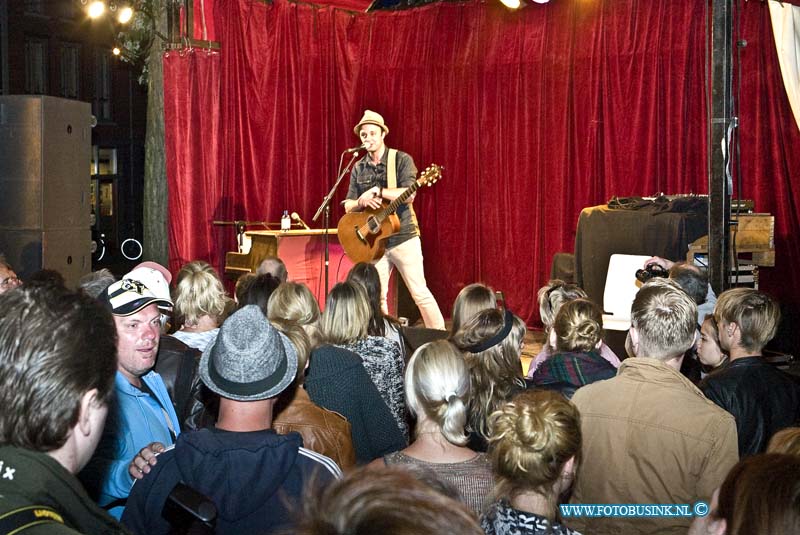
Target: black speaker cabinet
[[45, 153]]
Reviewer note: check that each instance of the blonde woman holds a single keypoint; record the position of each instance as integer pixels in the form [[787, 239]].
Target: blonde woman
[[535, 450], [491, 345], [345, 323], [437, 391], [336, 378], [201, 305], [576, 360]]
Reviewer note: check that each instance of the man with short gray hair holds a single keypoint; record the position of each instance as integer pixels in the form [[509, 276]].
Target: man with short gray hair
[[649, 435], [272, 265]]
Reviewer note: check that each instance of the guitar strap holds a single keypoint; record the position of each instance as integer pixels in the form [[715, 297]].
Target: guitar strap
[[391, 169], [391, 177]]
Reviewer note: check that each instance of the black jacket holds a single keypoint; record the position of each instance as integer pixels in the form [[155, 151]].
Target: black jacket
[[256, 480], [177, 363], [762, 398]]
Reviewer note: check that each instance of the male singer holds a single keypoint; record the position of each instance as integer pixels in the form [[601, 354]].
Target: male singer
[[369, 185]]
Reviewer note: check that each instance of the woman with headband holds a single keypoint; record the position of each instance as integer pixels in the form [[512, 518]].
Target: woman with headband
[[491, 342], [437, 385]]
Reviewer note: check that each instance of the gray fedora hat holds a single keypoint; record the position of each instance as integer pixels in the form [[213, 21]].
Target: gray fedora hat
[[250, 360]]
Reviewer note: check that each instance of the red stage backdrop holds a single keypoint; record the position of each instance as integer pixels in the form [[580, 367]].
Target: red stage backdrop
[[534, 114]]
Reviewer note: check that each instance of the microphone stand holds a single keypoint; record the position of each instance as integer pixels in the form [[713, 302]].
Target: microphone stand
[[326, 206]]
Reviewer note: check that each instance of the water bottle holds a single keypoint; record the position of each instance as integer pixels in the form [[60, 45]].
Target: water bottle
[[286, 221]]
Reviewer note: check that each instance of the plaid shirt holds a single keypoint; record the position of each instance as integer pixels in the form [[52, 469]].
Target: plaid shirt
[[573, 368]]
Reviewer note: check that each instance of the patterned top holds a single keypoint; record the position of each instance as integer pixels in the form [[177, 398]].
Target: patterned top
[[473, 478], [384, 364], [575, 369], [502, 519], [200, 341]]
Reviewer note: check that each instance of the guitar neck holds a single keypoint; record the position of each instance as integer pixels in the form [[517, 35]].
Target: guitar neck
[[403, 197]]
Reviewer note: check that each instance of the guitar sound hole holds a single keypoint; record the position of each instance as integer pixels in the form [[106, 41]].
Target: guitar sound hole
[[374, 225]]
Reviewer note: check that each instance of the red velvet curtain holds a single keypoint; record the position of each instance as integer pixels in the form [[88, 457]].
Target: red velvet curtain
[[193, 134], [534, 114]]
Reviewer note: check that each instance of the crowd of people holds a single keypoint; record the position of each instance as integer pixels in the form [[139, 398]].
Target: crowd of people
[[123, 397]]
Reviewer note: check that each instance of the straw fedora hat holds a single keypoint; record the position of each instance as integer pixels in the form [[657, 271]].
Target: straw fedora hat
[[370, 117]]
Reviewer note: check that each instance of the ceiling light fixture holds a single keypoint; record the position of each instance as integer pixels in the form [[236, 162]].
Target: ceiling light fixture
[[96, 9], [125, 15]]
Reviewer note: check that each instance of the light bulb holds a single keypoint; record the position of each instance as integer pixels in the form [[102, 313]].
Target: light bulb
[[96, 9], [125, 15]]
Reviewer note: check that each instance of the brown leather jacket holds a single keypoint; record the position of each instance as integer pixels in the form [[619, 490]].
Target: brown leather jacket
[[323, 431]]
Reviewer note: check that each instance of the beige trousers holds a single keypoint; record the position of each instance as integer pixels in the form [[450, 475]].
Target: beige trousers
[[407, 258]]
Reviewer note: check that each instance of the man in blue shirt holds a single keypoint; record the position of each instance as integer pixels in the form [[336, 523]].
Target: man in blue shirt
[[141, 414]]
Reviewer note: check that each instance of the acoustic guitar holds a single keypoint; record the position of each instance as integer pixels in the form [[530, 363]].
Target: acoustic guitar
[[363, 234]]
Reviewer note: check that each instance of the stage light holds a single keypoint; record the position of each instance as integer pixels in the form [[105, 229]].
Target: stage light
[[511, 4], [125, 15], [96, 9], [540, 1], [116, 51]]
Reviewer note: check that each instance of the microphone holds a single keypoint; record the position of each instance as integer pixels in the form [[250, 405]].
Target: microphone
[[356, 149], [299, 219]]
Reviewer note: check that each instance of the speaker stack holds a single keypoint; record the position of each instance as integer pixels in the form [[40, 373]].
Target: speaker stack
[[45, 153]]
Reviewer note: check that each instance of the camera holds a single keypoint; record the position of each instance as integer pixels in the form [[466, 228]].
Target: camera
[[651, 271]]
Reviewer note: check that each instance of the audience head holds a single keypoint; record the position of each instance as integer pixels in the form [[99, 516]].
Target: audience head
[[258, 292], [492, 355], [746, 319], [299, 339], [517, 334], [578, 326], [663, 321], [759, 495], [535, 444], [242, 285], [47, 277], [390, 501], [199, 292], [691, 279], [250, 360], [8, 279], [293, 303], [367, 276], [156, 277], [138, 322], [708, 350], [554, 294], [785, 441], [57, 365], [346, 316], [93, 284], [437, 386], [471, 300], [272, 265]]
